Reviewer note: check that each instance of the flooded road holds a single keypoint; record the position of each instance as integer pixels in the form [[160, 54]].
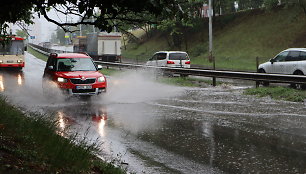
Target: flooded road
[[149, 127]]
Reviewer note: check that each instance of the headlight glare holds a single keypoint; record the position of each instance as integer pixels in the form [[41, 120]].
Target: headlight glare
[[101, 79], [61, 79], [19, 61], [1, 61]]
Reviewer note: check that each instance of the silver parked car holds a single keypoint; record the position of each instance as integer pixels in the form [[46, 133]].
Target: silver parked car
[[290, 61], [173, 59]]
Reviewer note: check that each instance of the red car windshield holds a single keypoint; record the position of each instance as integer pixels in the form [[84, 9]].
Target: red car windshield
[[75, 64]]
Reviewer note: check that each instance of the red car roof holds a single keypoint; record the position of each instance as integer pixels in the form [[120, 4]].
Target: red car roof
[[72, 55]]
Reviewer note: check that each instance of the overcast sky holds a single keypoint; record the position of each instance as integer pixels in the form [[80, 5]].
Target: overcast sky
[[42, 29]]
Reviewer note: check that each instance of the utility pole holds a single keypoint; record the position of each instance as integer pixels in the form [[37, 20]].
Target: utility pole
[[93, 26], [80, 29], [211, 57]]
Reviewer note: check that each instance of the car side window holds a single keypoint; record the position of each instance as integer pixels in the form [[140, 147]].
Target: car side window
[[153, 57], [281, 56], [161, 56], [51, 62], [303, 55], [293, 56]]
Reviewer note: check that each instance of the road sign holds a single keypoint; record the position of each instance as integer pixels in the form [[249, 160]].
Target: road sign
[[32, 37], [66, 35]]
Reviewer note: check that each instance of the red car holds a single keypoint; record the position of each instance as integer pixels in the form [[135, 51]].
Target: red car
[[74, 74]]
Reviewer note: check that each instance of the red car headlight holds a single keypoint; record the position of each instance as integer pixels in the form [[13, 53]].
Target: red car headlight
[[101, 79], [62, 80]]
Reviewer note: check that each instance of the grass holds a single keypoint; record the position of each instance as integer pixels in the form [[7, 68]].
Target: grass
[[37, 54], [238, 41], [31, 145], [109, 71], [278, 93], [145, 51], [186, 81]]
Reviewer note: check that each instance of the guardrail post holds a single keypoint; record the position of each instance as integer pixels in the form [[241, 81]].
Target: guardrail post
[[257, 64], [214, 66]]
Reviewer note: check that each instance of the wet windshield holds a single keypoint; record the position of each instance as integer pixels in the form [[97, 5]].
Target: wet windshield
[[15, 47], [178, 56], [75, 64]]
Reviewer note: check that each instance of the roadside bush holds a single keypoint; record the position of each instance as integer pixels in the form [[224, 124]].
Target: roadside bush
[[270, 4], [198, 50]]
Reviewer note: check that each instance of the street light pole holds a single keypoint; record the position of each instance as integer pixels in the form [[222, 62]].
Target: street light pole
[[211, 57]]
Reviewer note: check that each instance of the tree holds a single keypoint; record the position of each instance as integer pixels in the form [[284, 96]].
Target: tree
[[21, 33], [54, 38], [103, 13], [178, 25], [60, 35]]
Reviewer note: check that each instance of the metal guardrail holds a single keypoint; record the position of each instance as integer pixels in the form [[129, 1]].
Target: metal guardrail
[[46, 51], [276, 78]]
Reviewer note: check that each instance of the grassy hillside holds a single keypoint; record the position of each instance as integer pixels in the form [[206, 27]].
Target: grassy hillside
[[238, 38]]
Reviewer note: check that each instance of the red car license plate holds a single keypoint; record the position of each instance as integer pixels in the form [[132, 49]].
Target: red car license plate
[[84, 87]]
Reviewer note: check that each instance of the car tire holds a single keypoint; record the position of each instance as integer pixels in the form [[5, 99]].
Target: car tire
[[263, 83], [298, 85]]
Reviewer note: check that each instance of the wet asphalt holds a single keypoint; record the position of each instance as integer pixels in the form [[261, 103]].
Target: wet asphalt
[[147, 127]]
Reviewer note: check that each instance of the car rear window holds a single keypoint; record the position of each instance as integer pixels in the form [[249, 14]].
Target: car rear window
[[178, 56]]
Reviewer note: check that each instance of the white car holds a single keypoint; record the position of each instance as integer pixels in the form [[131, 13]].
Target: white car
[[175, 59], [290, 61]]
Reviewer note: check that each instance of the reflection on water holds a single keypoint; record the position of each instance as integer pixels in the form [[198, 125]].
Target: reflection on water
[[82, 112], [100, 118], [19, 79], [231, 149], [10, 79], [61, 121], [1, 84], [101, 126], [209, 142]]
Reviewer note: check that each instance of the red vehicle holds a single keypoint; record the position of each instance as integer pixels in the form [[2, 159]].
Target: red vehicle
[[12, 53], [74, 74]]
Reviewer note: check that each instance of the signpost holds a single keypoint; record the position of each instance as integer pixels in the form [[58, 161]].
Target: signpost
[[211, 57]]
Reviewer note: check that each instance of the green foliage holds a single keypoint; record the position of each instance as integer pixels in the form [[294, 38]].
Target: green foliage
[[32, 145], [278, 93], [108, 71], [198, 50], [249, 4], [180, 24], [60, 35], [21, 33], [238, 41], [37, 54], [270, 4]]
